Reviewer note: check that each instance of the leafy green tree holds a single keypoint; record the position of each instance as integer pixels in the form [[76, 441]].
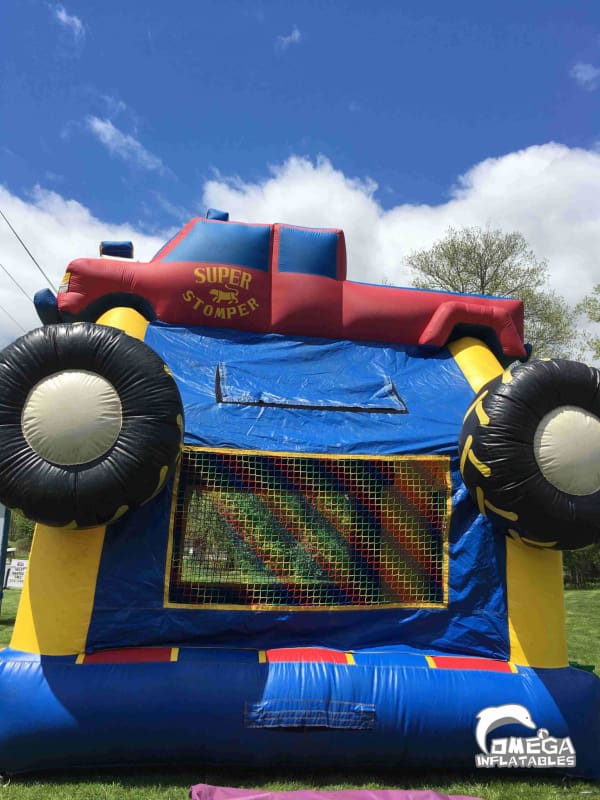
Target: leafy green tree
[[590, 306], [582, 567], [492, 262], [20, 531]]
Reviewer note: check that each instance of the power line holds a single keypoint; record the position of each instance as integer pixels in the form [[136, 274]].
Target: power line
[[8, 314], [16, 282], [27, 250]]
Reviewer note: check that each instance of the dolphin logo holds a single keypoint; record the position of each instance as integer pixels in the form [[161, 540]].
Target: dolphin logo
[[495, 716]]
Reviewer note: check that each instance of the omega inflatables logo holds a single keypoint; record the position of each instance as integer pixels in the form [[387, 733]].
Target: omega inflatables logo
[[541, 750], [225, 292]]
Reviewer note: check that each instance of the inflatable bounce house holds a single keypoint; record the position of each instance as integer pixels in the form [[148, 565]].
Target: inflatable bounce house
[[286, 518]]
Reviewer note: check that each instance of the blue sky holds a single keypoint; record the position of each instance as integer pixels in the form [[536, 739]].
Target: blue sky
[[393, 120], [131, 107]]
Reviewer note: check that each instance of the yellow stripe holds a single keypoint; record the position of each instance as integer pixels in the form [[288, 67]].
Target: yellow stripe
[[169, 558], [480, 500], [509, 515], [58, 596], [350, 659], [478, 399], [513, 667], [479, 465], [476, 361], [465, 453], [431, 662], [330, 456], [304, 609], [262, 656], [80, 658], [533, 543], [121, 511], [174, 654], [446, 562], [480, 411], [536, 617]]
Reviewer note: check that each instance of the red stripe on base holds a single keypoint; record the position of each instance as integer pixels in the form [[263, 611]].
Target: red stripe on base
[[480, 664], [132, 655], [319, 654]]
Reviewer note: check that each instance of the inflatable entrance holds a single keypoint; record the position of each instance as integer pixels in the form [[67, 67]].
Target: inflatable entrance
[[288, 518]]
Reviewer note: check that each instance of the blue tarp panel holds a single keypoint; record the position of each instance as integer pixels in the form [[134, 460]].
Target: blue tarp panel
[[129, 606], [298, 371]]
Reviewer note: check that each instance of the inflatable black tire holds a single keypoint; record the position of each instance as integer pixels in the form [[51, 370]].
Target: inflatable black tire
[[530, 453], [86, 469]]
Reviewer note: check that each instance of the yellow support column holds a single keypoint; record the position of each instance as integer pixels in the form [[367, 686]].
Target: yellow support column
[[534, 577], [56, 604], [536, 607]]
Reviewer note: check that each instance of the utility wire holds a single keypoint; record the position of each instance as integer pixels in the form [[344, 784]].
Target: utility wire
[[16, 282], [27, 250], [8, 314]]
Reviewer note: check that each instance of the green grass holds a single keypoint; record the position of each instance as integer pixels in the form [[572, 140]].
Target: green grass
[[157, 784], [583, 626], [583, 630], [10, 600]]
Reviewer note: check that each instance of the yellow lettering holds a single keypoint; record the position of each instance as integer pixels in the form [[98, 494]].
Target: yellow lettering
[[245, 280], [208, 311], [211, 274], [223, 274], [220, 313], [188, 295], [243, 310], [234, 278], [230, 312], [199, 273], [253, 304], [199, 302]]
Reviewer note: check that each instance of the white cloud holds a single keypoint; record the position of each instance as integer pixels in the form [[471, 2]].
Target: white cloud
[[586, 75], [70, 22], [124, 146], [550, 193], [114, 105], [180, 213], [56, 230], [283, 42], [54, 177]]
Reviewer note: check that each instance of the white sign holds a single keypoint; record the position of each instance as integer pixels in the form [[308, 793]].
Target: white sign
[[16, 573]]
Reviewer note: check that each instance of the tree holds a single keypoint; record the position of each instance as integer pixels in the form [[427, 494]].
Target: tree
[[582, 568], [491, 262], [20, 531], [590, 306]]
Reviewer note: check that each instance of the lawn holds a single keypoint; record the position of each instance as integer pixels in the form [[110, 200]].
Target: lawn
[[10, 601], [583, 626]]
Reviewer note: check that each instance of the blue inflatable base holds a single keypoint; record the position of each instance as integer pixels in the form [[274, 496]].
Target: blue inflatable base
[[385, 708]]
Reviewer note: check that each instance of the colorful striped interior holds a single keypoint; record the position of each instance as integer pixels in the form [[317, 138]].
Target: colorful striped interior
[[272, 530]]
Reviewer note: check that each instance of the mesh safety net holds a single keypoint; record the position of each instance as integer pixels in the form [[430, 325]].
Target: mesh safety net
[[269, 530]]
